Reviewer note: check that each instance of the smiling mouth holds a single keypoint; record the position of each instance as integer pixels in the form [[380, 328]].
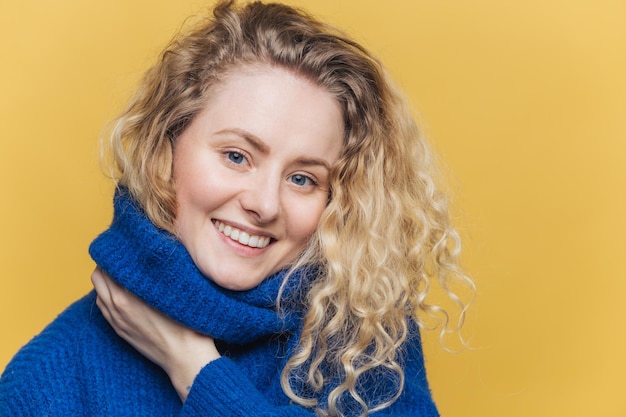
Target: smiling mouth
[[242, 237]]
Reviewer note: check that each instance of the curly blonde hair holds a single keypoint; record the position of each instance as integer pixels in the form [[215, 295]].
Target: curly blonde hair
[[385, 234]]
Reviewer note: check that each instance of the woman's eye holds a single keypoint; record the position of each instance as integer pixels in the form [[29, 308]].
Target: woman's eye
[[302, 180], [236, 157]]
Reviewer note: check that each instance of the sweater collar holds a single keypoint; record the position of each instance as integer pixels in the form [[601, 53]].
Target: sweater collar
[[153, 264]]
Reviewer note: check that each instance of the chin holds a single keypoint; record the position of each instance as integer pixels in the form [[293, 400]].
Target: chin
[[234, 284]]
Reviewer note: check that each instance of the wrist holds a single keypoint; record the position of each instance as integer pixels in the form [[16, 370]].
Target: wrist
[[183, 370]]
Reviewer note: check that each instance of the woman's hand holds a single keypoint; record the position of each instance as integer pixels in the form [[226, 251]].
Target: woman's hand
[[180, 351]]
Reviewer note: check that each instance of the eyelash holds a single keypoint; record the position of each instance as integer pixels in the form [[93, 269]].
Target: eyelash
[[308, 178], [230, 154], [244, 158]]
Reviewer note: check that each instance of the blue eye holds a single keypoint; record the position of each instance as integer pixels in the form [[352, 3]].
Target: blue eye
[[235, 157], [301, 180]]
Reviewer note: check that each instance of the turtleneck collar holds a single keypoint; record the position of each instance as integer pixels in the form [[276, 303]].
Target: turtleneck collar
[[153, 264]]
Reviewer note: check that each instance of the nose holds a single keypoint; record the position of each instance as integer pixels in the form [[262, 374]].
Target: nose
[[261, 199]]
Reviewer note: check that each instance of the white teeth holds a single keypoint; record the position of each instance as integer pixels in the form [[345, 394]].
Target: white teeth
[[254, 240], [242, 237]]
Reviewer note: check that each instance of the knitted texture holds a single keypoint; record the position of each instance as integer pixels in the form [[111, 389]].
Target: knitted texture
[[78, 366]]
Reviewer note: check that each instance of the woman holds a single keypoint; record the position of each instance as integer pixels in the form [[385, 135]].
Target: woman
[[276, 228]]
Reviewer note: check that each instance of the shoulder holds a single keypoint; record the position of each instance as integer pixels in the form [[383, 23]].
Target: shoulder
[[55, 342], [48, 365], [416, 395]]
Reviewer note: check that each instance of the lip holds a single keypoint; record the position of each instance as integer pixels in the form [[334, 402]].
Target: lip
[[246, 229]]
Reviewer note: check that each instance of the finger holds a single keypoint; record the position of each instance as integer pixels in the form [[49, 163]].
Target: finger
[[119, 299], [111, 294], [100, 285], [102, 290], [104, 300], [114, 301]]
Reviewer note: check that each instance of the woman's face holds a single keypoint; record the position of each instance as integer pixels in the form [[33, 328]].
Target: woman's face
[[251, 174]]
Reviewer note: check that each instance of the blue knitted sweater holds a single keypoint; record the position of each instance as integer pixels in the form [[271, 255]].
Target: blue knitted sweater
[[78, 366]]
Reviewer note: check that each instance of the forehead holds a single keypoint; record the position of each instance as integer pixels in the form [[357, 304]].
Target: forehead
[[278, 106]]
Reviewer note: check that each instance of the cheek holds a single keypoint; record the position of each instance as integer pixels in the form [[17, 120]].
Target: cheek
[[304, 221], [195, 183], [195, 196]]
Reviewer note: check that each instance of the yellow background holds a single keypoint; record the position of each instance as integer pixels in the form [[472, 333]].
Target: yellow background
[[524, 100]]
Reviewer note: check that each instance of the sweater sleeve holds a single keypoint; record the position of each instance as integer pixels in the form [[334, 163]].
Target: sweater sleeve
[[221, 389]]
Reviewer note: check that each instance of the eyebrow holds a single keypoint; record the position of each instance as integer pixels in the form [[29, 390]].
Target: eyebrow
[[258, 144], [249, 137], [314, 161]]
